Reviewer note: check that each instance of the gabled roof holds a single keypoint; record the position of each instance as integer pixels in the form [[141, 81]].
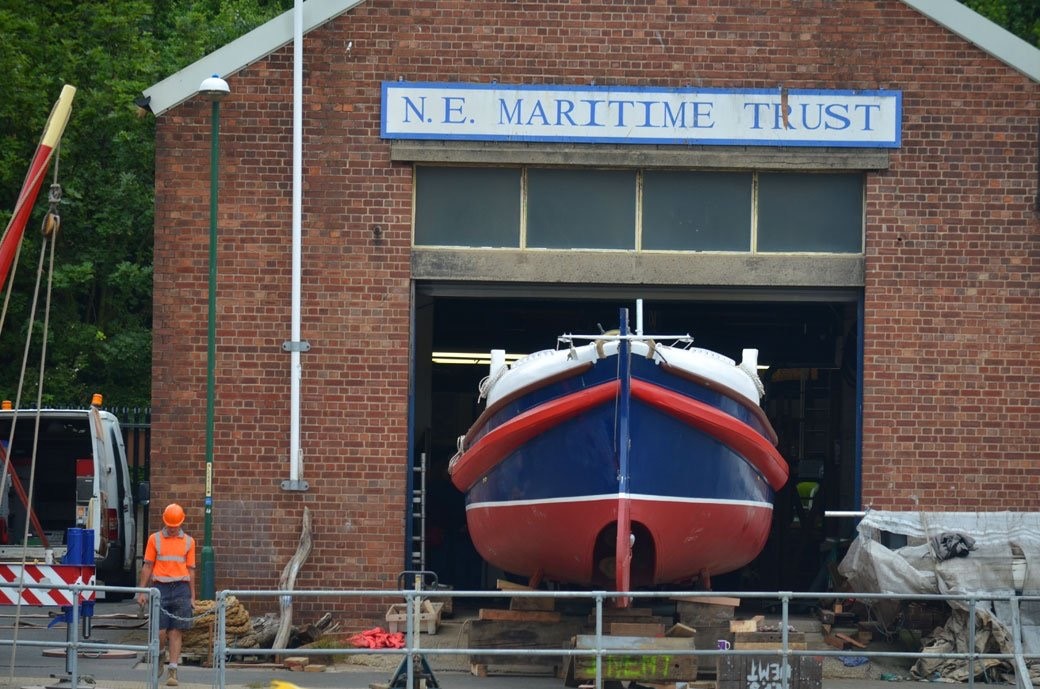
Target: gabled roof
[[278, 32], [990, 37], [241, 52]]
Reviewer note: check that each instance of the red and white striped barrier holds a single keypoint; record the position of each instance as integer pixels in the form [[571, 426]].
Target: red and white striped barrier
[[55, 575]]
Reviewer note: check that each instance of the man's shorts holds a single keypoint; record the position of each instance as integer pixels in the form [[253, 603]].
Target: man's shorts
[[174, 605]]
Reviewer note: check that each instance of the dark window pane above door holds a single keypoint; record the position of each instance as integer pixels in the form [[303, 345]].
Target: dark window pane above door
[[467, 206], [581, 209], [697, 211]]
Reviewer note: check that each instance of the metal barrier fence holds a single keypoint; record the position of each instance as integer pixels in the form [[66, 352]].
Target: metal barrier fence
[[414, 653], [73, 644], [412, 649]]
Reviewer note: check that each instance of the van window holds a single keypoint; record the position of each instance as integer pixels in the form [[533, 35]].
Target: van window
[[62, 443]]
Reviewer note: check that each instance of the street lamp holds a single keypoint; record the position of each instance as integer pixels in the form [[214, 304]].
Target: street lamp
[[215, 90]]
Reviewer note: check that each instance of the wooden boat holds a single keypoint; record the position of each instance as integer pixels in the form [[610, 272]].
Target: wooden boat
[[619, 462]]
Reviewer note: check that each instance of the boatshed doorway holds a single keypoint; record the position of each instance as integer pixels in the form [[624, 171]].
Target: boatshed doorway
[[807, 340]]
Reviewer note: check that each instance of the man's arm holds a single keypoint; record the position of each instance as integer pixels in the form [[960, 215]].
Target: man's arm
[[145, 580], [191, 584]]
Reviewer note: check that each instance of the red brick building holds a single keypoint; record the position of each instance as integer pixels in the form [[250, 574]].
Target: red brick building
[[890, 283]]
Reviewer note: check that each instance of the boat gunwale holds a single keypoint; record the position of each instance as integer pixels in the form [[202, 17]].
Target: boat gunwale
[[744, 440], [726, 391], [493, 409]]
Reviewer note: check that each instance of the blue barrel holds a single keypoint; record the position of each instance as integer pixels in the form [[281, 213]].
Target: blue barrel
[[87, 548], [74, 546]]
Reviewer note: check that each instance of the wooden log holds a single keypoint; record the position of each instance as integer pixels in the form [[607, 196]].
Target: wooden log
[[287, 581], [624, 662]]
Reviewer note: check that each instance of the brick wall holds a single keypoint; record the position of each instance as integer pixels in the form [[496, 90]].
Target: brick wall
[[951, 379]]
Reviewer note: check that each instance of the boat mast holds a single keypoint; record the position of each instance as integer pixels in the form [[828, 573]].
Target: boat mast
[[623, 546]]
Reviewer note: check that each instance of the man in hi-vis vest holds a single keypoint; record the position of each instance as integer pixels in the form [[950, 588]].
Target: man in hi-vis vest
[[169, 565]]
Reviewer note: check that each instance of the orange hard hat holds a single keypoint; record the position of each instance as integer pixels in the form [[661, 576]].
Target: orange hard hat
[[173, 515]]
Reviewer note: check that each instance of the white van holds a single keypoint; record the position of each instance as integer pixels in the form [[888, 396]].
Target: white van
[[81, 480]]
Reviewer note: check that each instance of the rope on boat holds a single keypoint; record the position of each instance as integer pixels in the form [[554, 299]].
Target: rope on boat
[[753, 375], [488, 382], [651, 348], [458, 454]]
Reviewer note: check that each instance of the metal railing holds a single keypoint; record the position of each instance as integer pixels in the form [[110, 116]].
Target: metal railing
[[413, 648], [413, 652], [73, 644]]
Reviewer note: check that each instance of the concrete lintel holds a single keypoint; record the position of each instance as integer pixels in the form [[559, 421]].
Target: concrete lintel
[[618, 268], [599, 155]]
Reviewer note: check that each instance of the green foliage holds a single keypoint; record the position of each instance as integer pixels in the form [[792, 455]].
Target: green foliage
[[1020, 17], [99, 331]]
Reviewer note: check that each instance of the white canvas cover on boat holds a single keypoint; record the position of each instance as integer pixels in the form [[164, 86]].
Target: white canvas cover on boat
[[957, 553]]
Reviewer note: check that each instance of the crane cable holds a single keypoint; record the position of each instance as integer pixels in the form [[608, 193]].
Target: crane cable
[[48, 230]]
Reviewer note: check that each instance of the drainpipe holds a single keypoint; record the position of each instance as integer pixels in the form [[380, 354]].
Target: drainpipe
[[295, 345]]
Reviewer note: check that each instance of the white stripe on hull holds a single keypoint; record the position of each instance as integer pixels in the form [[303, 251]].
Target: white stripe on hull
[[616, 496]]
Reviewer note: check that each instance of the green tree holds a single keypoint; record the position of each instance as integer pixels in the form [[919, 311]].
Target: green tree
[[110, 50], [1020, 17]]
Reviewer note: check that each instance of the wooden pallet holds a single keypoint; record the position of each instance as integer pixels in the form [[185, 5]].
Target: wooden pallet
[[429, 617]]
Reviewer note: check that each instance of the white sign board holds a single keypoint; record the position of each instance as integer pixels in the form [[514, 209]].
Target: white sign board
[[623, 114]]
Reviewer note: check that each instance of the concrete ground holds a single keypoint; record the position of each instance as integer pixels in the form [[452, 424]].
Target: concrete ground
[[31, 666]]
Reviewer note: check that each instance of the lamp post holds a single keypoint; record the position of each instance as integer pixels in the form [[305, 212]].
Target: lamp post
[[214, 89]]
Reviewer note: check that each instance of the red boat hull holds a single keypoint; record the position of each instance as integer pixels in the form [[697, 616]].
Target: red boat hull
[[561, 537]]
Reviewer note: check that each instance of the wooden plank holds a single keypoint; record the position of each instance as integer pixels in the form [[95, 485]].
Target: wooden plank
[[832, 640], [624, 662], [746, 625], [770, 646], [503, 634], [708, 600], [505, 585], [635, 629], [532, 603], [681, 630], [703, 614], [767, 637], [846, 637], [768, 671], [607, 621], [518, 615]]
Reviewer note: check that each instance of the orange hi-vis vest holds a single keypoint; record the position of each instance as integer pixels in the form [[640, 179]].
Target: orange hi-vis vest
[[172, 553]]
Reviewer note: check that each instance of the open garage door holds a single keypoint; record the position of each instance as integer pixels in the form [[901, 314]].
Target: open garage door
[[807, 339]]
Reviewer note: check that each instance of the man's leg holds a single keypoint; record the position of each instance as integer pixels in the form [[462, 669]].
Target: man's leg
[[175, 637]]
